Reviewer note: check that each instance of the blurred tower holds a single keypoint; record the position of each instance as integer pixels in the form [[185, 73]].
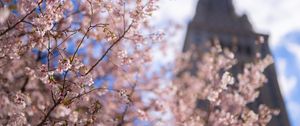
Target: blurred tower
[[217, 19]]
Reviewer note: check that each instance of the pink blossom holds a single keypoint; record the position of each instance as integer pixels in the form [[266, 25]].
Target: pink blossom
[[4, 13]]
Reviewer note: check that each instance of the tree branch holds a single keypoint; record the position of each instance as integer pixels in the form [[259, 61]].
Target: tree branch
[[25, 84], [49, 112], [122, 121], [22, 20], [106, 52]]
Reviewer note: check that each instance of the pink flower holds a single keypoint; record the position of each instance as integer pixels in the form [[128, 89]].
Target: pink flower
[[4, 14], [63, 65]]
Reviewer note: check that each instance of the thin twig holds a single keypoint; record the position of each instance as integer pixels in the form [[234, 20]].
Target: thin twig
[[49, 112], [25, 84], [90, 91], [22, 20], [106, 52], [122, 121], [80, 43]]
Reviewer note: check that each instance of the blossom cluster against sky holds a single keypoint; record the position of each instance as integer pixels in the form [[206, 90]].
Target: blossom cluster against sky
[[278, 18]]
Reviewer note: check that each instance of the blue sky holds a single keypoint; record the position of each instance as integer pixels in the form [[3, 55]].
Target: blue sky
[[287, 57], [278, 18]]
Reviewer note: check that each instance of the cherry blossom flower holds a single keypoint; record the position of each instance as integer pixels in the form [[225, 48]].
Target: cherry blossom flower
[[4, 13]]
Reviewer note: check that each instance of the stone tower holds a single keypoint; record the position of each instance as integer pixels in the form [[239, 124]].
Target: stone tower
[[217, 19]]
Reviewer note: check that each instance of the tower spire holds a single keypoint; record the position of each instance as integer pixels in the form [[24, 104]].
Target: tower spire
[[213, 8], [220, 14]]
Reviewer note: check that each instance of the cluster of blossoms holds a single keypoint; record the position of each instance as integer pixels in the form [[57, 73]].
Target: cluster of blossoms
[[65, 62], [212, 96], [87, 62]]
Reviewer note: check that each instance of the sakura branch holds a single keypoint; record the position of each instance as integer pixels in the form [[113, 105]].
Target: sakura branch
[[110, 47], [21, 20]]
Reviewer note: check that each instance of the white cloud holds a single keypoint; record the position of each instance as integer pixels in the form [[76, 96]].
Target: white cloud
[[277, 17], [294, 49], [294, 112], [287, 83], [178, 10]]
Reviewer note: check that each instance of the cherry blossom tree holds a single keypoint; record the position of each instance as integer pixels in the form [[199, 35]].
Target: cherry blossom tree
[[88, 62]]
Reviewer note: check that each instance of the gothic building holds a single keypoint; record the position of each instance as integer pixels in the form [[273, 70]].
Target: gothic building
[[217, 19]]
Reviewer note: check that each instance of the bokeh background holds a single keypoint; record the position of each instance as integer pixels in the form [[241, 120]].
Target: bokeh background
[[278, 18]]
